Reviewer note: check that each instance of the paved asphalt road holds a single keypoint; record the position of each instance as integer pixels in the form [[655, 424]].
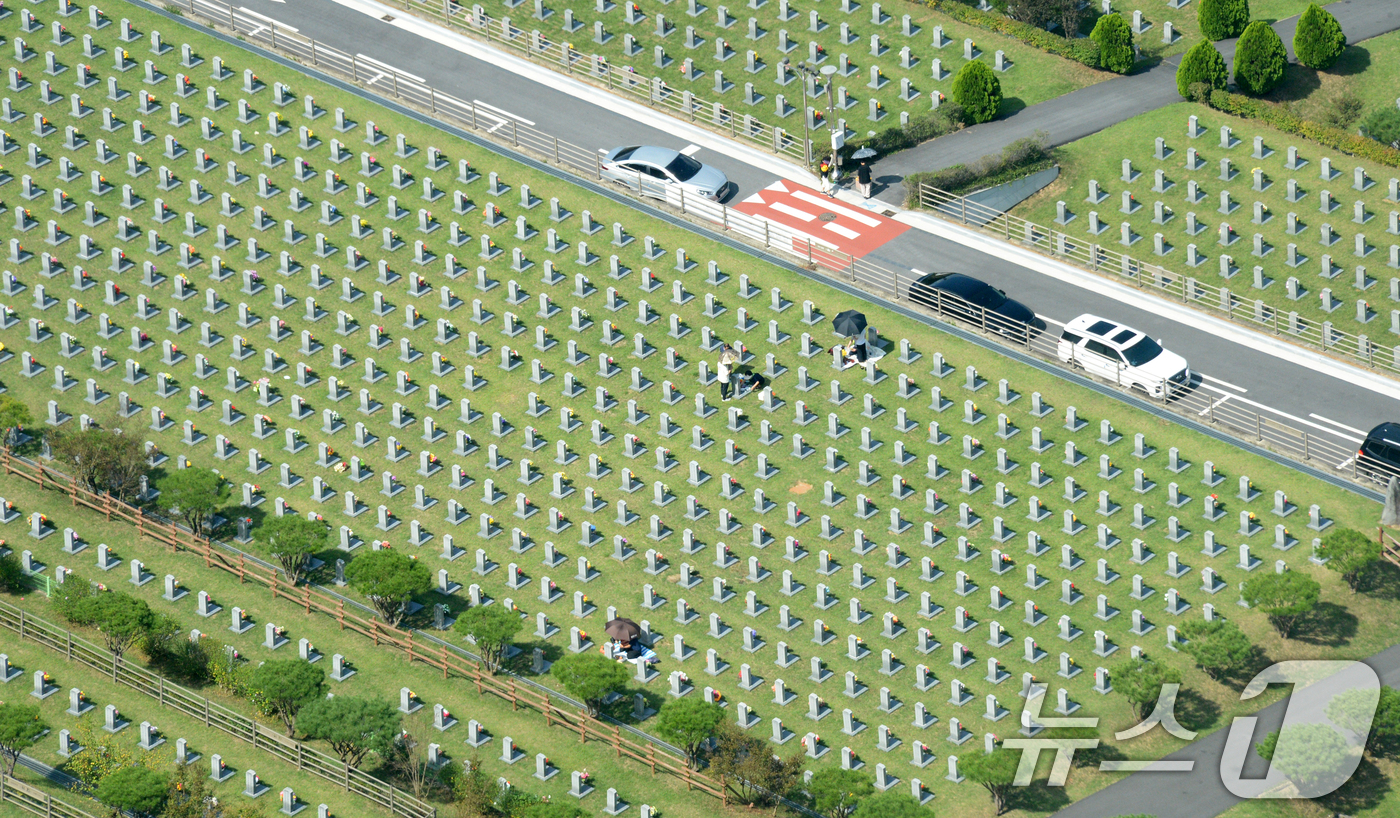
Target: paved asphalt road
[[1090, 110], [1260, 378]]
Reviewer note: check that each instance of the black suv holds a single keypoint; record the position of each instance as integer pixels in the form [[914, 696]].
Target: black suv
[[1379, 457]]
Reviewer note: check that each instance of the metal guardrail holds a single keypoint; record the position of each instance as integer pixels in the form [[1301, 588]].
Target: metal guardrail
[[1193, 404], [1220, 300], [1294, 443]]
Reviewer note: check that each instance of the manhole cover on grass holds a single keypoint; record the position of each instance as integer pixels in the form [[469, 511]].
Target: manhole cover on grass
[[827, 217]]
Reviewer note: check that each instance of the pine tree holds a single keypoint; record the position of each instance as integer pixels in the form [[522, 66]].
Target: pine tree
[[1319, 39], [1202, 64], [1222, 19], [978, 91], [1115, 39], [1259, 59]]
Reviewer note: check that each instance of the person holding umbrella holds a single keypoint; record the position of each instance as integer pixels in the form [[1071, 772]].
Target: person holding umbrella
[[863, 172], [623, 631], [728, 359]]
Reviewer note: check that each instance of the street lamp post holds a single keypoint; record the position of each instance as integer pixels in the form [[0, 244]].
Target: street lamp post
[[808, 71]]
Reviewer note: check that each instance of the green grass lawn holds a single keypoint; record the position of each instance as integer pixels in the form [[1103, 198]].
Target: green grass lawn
[[1034, 77], [1100, 157], [1366, 73], [1344, 629], [136, 708]]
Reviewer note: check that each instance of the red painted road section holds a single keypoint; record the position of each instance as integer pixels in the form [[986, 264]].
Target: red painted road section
[[854, 231]]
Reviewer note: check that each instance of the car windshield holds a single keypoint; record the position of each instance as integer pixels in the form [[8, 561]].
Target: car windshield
[[624, 154], [1143, 351], [683, 167]]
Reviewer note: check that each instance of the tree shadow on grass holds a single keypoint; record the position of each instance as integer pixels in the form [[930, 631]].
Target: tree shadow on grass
[[1038, 798], [1299, 83], [1328, 624], [1382, 581], [1365, 790], [1353, 61], [1194, 711]]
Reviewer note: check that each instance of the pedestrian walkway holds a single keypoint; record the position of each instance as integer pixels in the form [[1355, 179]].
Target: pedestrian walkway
[[825, 221], [1089, 110]]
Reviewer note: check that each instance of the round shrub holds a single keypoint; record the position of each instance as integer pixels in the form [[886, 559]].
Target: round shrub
[[1202, 65], [978, 91], [1259, 59], [1222, 19], [1319, 40], [1115, 39]]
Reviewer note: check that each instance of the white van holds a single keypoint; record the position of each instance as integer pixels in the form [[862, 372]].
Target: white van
[[1122, 355]]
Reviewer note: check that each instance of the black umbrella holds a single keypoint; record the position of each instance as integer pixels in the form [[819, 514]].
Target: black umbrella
[[622, 629], [849, 323]]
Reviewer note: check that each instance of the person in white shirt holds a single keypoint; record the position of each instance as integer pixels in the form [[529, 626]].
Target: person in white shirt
[[725, 372]]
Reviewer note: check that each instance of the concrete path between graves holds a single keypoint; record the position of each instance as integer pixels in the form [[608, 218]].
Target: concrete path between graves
[[1089, 110], [1200, 793]]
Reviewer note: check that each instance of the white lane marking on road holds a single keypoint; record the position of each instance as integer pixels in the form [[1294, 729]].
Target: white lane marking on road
[[783, 207], [522, 120], [964, 237], [840, 231], [1342, 466], [603, 151], [1262, 408], [265, 19], [1213, 404], [387, 68], [1338, 425], [690, 150], [827, 204], [1239, 389]]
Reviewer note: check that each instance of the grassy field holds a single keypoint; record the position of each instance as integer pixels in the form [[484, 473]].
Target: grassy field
[[1343, 628], [1100, 157], [1034, 77], [1363, 79]]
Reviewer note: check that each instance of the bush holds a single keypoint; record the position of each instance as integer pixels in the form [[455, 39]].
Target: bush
[[1222, 19], [1259, 59], [978, 91], [1023, 156], [1115, 39], [1326, 135], [1319, 40], [1202, 65], [1084, 51], [945, 119], [1383, 125]]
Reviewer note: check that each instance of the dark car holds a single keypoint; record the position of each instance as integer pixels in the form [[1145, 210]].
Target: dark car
[[974, 301], [1379, 456]]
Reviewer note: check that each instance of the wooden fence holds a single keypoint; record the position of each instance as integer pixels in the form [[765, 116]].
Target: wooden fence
[[216, 716], [433, 654], [1390, 547], [36, 801]]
